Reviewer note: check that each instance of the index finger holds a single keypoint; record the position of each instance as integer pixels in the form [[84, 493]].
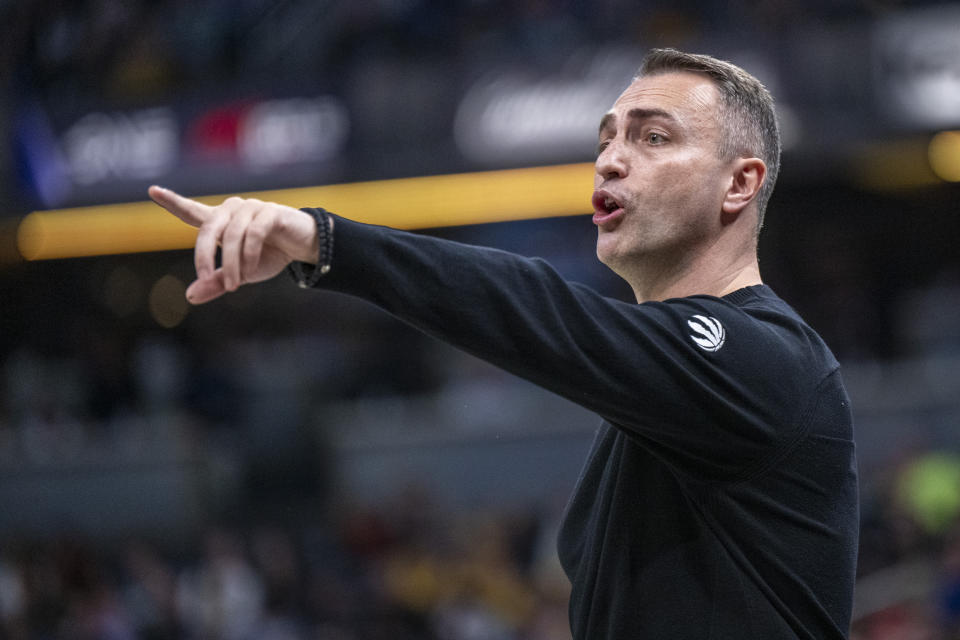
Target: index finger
[[190, 211]]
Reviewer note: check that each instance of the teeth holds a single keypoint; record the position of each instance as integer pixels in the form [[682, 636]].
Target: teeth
[[609, 203]]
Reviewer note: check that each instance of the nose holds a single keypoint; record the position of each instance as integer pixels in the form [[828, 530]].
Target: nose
[[611, 162]]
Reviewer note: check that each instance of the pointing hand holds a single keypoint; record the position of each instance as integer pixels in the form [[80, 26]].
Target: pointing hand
[[257, 239]]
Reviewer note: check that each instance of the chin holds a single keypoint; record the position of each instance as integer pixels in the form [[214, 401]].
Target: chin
[[603, 252], [609, 257], [610, 249]]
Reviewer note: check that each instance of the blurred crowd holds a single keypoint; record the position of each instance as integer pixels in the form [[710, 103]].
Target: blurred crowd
[[281, 556], [276, 553], [405, 572], [124, 49], [414, 570], [909, 562]]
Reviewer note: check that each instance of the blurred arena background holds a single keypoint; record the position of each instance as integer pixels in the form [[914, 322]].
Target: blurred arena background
[[295, 465]]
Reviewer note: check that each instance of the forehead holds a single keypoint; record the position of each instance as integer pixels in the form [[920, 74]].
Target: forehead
[[690, 98]]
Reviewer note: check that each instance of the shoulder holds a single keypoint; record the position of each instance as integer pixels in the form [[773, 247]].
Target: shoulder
[[733, 379], [751, 328]]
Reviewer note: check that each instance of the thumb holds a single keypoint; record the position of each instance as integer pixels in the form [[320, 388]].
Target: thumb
[[190, 211]]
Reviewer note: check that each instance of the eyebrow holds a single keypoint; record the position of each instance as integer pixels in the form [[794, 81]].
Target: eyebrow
[[634, 114]]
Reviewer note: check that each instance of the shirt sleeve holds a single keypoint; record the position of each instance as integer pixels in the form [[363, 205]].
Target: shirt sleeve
[[700, 381]]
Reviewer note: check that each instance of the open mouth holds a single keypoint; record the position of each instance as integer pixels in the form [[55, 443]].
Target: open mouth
[[606, 207]]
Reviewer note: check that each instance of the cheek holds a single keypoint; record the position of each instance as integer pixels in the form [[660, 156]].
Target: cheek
[[689, 185]]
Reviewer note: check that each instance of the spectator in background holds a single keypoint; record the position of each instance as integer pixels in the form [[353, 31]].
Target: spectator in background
[[223, 598]]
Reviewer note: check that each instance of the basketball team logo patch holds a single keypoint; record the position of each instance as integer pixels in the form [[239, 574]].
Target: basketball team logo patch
[[708, 333]]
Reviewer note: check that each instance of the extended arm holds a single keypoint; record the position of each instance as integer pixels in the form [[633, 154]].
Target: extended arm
[[639, 366]]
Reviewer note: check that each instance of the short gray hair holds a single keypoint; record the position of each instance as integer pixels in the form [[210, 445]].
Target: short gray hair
[[748, 121]]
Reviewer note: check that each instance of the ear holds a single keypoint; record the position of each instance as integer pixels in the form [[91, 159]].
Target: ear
[[747, 177]]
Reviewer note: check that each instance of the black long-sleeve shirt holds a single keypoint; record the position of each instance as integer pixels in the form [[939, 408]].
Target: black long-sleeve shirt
[[719, 500]]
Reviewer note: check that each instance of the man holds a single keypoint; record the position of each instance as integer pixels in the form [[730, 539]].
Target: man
[[719, 499]]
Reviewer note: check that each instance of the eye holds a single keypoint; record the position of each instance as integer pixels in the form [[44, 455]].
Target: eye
[[656, 138], [602, 146]]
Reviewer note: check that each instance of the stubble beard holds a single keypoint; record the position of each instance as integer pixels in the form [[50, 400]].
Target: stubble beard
[[648, 248]]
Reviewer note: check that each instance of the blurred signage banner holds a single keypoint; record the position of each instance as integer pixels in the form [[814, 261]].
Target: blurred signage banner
[[268, 134], [917, 66], [510, 117], [109, 146], [108, 155], [279, 132], [421, 123]]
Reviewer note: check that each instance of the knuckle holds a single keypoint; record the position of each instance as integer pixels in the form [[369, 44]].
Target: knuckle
[[219, 219], [249, 209], [231, 231], [256, 232], [206, 233]]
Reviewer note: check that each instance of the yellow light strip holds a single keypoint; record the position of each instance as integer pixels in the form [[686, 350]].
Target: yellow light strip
[[408, 203]]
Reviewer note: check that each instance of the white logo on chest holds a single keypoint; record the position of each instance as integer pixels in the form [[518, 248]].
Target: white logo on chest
[[708, 333]]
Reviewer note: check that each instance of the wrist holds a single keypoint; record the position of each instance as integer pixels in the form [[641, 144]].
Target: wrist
[[307, 273]]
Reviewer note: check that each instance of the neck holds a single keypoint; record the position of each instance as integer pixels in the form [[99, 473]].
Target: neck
[[699, 275]]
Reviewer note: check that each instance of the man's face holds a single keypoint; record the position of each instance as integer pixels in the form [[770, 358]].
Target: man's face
[[659, 180]]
